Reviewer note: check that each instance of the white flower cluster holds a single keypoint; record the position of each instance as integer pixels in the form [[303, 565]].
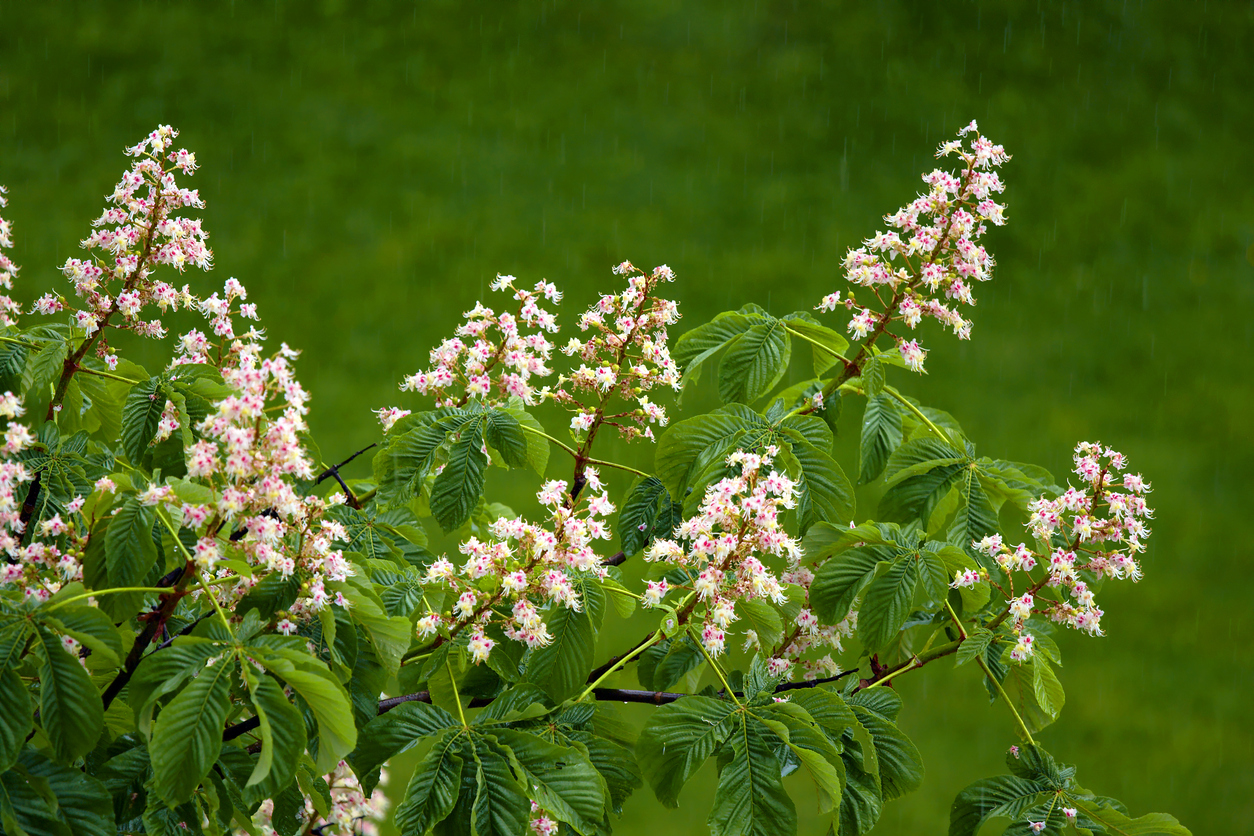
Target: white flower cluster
[[1101, 529], [491, 358], [931, 255], [525, 568], [723, 548], [626, 355]]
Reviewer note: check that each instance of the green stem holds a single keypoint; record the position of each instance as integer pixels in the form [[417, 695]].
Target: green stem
[[717, 669], [109, 375], [944, 436], [1023, 727], [200, 579], [818, 344], [657, 637], [575, 453], [456, 696], [896, 672], [152, 590]]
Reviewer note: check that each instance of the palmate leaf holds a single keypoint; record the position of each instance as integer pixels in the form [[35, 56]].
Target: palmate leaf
[[881, 435], [459, 486], [162, 673], [1038, 791], [688, 446], [397, 731], [500, 806], [505, 435], [187, 735], [70, 709], [83, 803], [141, 412], [282, 732], [647, 513], [323, 694], [561, 667], [537, 453], [841, 579], [899, 761], [825, 493], [750, 798], [677, 739], [16, 717], [886, 603], [433, 789], [699, 344], [129, 548], [754, 362], [561, 778]]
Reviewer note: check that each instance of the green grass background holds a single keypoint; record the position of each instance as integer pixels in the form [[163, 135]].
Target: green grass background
[[370, 166]]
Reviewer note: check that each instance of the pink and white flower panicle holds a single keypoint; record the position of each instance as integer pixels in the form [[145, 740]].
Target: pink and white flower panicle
[[493, 356], [524, 570], [1086, 534], [930, 257], [624, 354], [735, 548], [9, 309], [138, 231]]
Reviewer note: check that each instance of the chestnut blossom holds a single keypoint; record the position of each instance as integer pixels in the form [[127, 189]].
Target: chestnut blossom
[[495, 355], [524, 569], [1092, 532], [624, 355], [930, 257]]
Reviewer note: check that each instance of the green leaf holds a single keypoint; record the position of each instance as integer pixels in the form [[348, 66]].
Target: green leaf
[[162, 673], [750, 798], [874, 376], [505, 435], [899, 761], [326, 698], [688, 446], [1110, 821], [187, 735], [44, 367], [401, 467], [82, 802], [70, 709], [433, 789], [91, 628], [1046, 688], [17, 714], [677, 739], [616, 764], [827, 344], [130, 551], [458, 487], [1021, 688], [886, 604], [562, 779], [976, 517], [698, 345], [825, 493], [647, 514], [397, 731], [388, 635], [282, 732], [881, 435], [755, 361], [141, 412], [840, 580], [1004, 796], [763, 619], [537, 444], [977, 641], [501, 806], [561, 667]]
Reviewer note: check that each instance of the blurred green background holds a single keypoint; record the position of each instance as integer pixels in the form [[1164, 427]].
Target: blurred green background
[[370, 166]]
